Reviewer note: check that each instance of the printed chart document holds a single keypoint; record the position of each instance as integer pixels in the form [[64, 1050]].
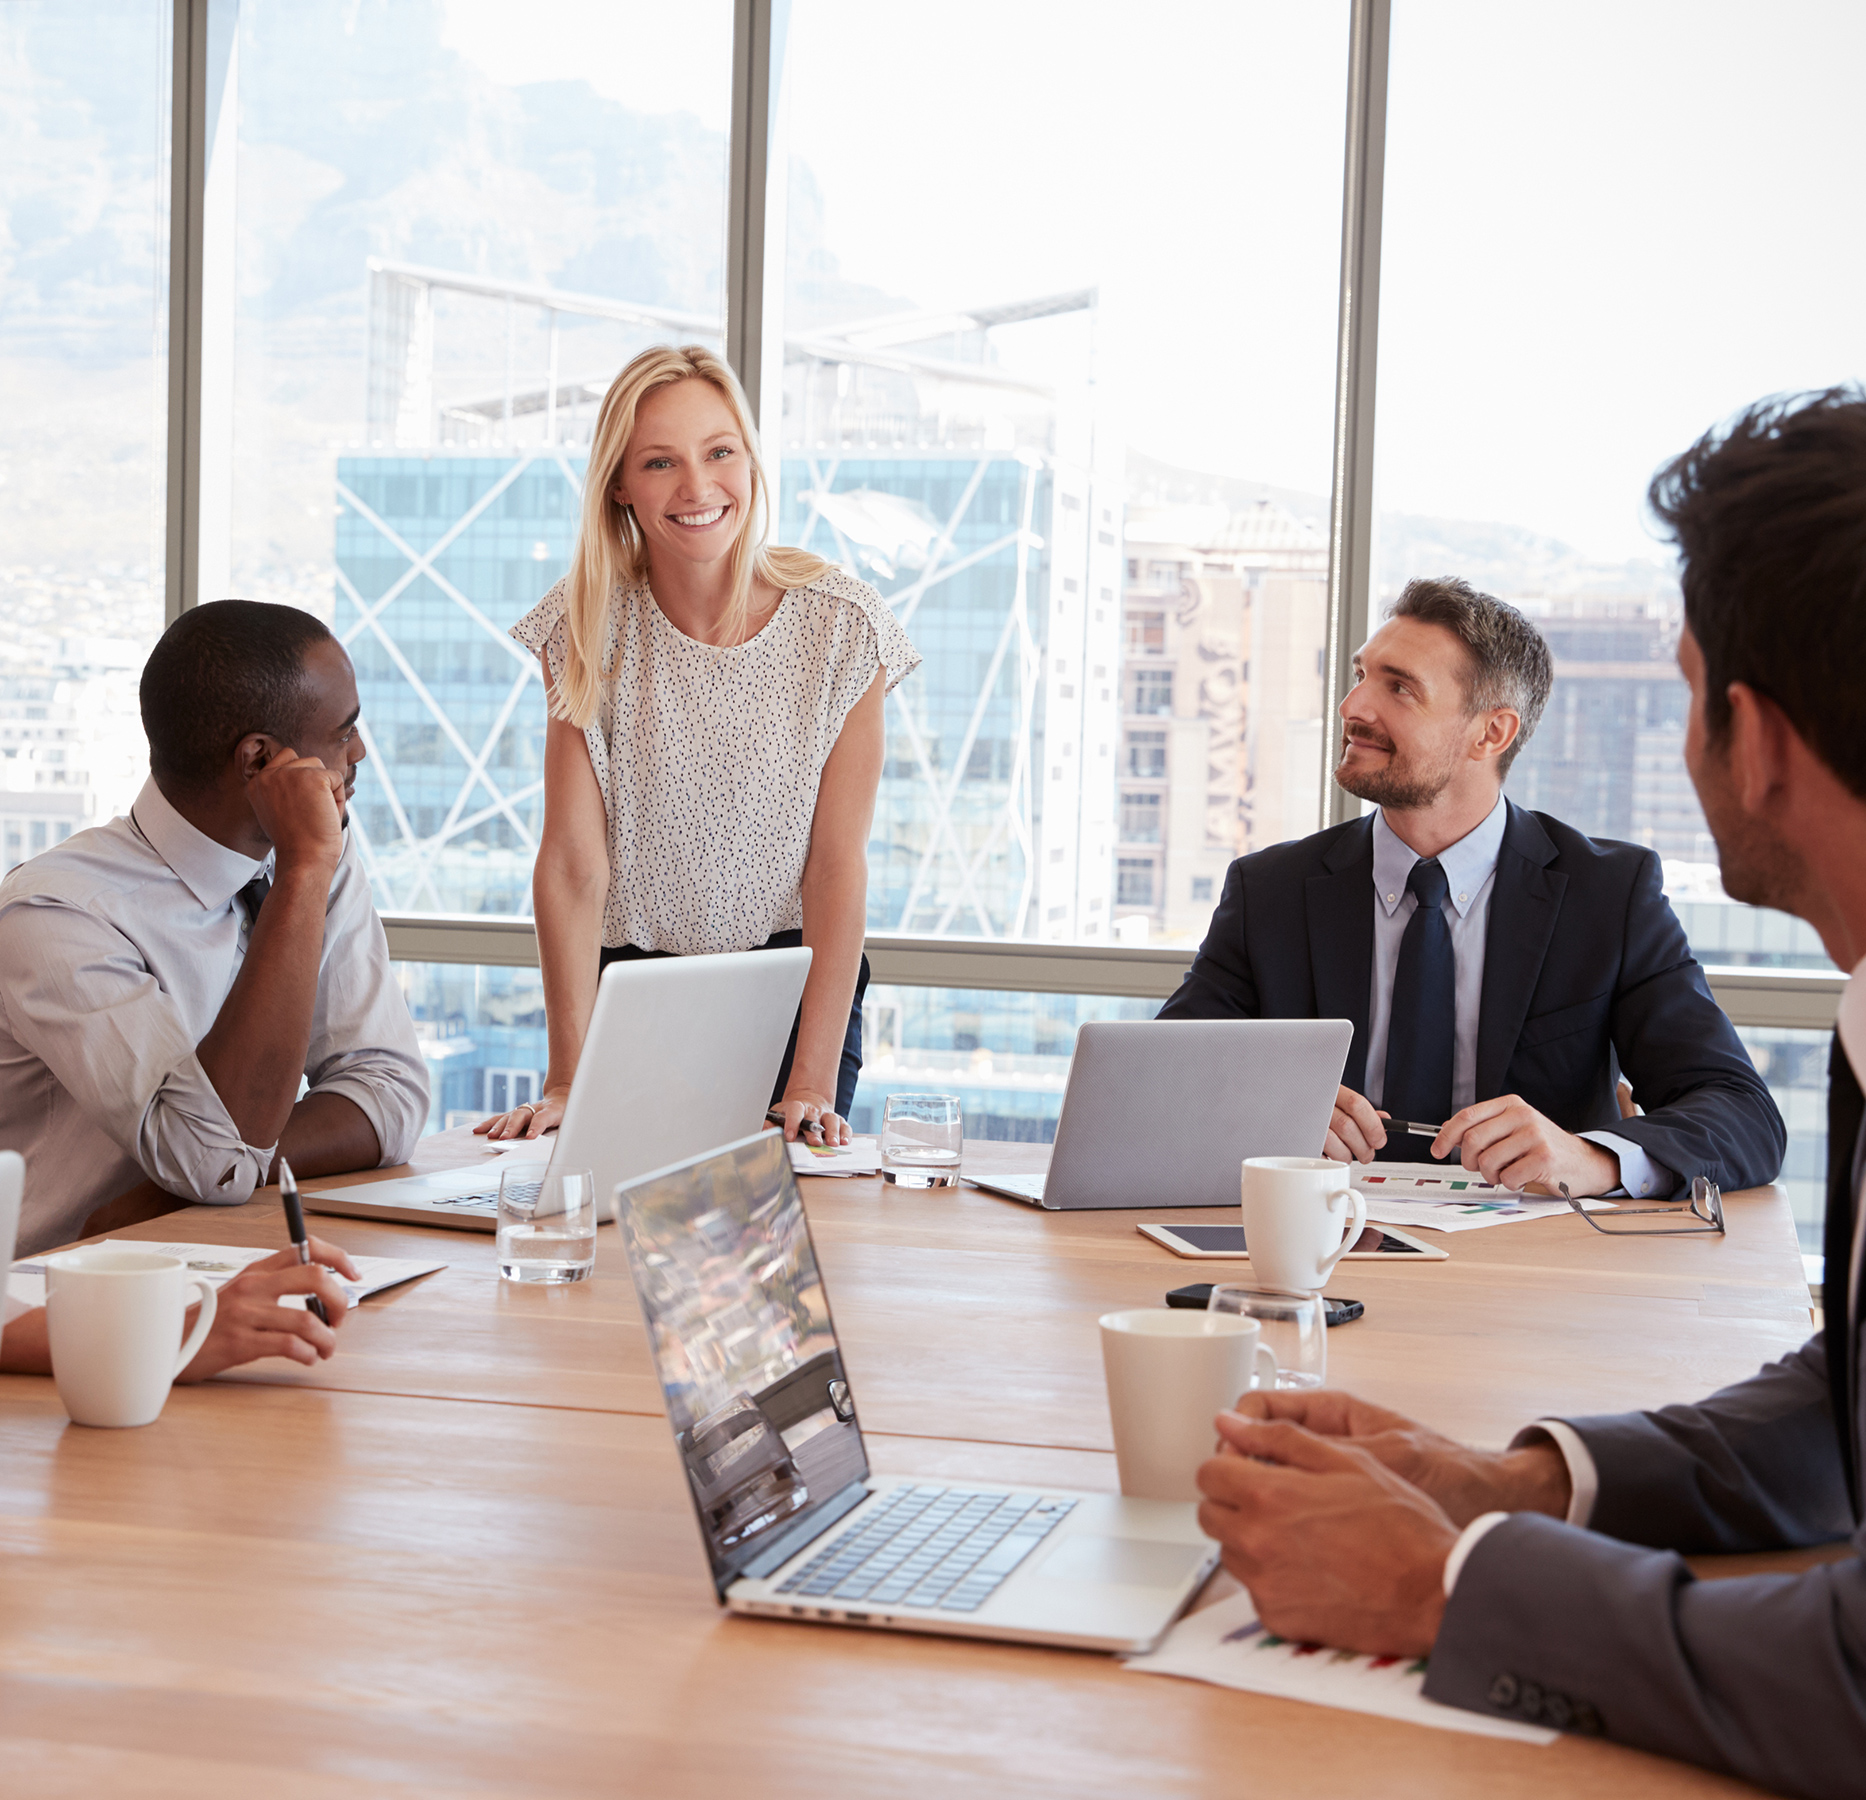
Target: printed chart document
[[859, 1156], [1227, 1645], [1444, 1197], [221, 1262]]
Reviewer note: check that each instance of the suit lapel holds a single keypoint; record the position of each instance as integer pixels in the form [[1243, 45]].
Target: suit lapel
[[1340, 905], [1844, 1111], [1525, 902]]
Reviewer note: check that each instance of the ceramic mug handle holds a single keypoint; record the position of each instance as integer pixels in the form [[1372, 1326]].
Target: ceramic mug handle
[[1263, 1369], [1357, 1223], [203, 1324]]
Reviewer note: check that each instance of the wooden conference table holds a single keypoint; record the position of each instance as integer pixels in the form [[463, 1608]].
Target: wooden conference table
[[458, 1559]]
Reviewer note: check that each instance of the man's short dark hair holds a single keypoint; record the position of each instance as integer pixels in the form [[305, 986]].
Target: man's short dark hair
[[1510, 661], [1769, 516], [220, 672]]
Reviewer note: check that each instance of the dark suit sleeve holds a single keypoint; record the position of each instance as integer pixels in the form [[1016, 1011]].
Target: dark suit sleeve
[[1220, 984], [1707, 1111], [1756, 1466], [1763, 1676]]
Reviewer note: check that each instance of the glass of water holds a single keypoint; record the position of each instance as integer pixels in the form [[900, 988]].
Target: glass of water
[[547, 1224], [921, 1135], [1295, 1326]]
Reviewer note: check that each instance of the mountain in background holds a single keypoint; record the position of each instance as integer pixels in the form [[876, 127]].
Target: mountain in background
[[362, 135]]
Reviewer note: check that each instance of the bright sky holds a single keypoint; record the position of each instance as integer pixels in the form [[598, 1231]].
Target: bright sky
[[1606, 224]]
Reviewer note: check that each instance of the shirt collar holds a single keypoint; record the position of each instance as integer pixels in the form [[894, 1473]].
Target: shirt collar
[[1468, 863], [1851, 1021], [211, 872]]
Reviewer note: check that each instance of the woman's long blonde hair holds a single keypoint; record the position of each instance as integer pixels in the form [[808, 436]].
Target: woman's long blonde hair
[[611, 550]]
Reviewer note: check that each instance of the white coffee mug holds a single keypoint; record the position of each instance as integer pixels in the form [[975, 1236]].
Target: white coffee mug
[[1170, 1370], [1300, 1219], [113, 1318]]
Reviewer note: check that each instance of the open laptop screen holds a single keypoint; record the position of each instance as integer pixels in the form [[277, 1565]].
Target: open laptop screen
[[739, 1326]]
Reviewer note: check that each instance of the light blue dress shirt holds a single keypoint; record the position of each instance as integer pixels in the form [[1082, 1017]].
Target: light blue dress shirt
[[1470, 867]]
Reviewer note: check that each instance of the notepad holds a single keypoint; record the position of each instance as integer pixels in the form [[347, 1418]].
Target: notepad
[[219, 1263]]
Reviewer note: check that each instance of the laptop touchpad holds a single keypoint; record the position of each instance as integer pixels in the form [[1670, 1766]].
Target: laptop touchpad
[[1126, 1562]]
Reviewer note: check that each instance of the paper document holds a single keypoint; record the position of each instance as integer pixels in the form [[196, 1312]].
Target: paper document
[[1429, 1181], [221, 1262], [1444, 1197], [1228, 1646], [1474, 1216], [859, 1156]]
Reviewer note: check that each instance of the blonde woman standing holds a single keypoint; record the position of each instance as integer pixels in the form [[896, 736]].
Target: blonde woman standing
[[715, 734]]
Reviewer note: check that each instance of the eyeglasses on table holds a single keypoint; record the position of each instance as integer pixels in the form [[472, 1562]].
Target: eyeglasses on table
[[1705, 1205]]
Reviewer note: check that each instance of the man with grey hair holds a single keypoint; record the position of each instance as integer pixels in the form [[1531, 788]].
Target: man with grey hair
[[1500, 968]]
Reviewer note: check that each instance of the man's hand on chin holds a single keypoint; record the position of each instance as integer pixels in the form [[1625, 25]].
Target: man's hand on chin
[[1507, 1141], [1334, 1547]]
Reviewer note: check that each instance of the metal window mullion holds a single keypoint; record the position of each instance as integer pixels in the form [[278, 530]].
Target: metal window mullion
[[1351, 503], [187, 214], [754, 207]]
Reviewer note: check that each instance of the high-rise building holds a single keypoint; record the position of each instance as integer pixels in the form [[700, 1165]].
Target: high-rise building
[[1222, 698], [71, 745]]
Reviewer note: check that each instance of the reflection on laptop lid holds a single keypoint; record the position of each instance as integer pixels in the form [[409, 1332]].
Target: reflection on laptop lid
[[739, 1325]]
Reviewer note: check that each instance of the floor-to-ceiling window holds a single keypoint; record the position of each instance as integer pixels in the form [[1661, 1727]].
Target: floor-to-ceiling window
[[84, 196], [1606, 229]]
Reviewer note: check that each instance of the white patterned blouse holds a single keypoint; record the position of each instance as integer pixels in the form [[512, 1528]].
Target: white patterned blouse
[[709, 758]]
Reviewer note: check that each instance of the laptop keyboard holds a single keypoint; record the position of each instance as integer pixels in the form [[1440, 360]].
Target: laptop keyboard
[[521, 1191], [931, 1546]]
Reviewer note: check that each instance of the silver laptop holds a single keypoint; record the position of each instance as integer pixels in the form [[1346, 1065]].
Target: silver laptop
[[794, 1524], [681, 1055], [1160, 1112]]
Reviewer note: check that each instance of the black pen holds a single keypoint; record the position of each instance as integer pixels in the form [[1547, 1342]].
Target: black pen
[[774, 1115], [295, 1224], [1416, 1129]]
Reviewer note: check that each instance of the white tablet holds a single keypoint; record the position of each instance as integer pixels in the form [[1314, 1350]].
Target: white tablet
[[1227, 1242]]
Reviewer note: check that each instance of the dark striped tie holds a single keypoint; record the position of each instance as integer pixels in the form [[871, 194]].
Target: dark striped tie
[[1421, 1024]]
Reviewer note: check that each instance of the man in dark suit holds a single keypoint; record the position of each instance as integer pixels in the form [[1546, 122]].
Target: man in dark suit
[[1545, 1580], [1500, 968]]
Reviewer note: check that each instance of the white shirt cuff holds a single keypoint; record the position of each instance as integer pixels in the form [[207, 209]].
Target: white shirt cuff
[[1640, 1177], [1583, 1477], [1468, 1540]]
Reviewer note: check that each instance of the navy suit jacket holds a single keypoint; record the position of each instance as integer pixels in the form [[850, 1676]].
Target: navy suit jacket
[[1584, 963]]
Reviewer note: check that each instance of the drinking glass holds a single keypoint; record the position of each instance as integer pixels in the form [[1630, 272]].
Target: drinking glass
[[921, 1135], [547, 1225], [1295, 1326]]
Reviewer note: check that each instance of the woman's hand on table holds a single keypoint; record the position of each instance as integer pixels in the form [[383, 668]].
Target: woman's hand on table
[[526, 1120], [249, 1322], [801, 1109]]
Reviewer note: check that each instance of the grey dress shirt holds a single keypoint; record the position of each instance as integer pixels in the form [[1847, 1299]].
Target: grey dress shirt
[[1470, 867], [117, 950]]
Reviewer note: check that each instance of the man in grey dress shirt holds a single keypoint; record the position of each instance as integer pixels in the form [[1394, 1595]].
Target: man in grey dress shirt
[[168, 979], [1545, 1580]]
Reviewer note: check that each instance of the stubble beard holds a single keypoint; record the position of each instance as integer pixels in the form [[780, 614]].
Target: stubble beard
[[1755, 866], [1399, 785]]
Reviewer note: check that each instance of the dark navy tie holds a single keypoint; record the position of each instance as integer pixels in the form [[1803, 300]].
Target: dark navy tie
[[253, 896], [1421, 1024]]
